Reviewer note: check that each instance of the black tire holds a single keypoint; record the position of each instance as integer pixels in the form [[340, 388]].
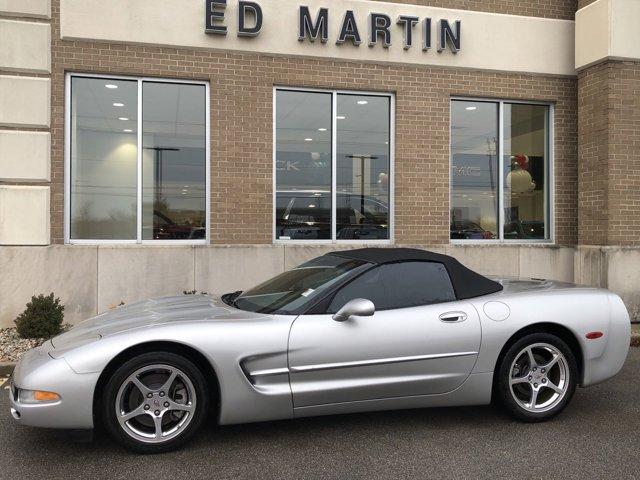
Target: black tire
[[110, 401], [507, 398]]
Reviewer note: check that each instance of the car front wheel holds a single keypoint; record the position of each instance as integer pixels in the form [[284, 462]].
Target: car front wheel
[[537, 377], [155, 402]]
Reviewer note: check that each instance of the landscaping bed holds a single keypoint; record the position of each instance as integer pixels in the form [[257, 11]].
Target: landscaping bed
[[12, 347]]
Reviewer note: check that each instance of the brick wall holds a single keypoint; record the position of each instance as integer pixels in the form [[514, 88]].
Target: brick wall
[[624, 154], [564, 9], [609, 154], [584, 3], [593, 155], [241, 128]]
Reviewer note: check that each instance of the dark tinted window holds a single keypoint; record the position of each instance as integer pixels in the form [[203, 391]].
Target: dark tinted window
[[399, 285]]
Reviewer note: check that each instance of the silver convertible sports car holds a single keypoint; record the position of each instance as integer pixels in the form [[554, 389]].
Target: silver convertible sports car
[[351, 331]]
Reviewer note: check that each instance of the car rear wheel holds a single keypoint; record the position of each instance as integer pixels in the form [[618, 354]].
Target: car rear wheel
[[537, 377], [155, 402]]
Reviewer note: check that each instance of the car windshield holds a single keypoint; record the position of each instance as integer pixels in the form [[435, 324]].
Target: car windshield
[[292, 291]]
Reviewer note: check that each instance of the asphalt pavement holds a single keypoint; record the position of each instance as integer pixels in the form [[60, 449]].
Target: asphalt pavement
[[597, 436]]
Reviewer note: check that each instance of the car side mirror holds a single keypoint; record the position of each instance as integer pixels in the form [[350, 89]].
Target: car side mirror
[[358, 307]]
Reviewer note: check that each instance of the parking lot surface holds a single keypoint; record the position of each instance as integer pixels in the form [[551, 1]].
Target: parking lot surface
[[596, 437]]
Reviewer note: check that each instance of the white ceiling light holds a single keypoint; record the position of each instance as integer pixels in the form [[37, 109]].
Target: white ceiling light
[[362, 102], [308, 139], [127, 130], [111, 86], [341, 117], [124, 119], [471, 108], [322, 129], [118, 104]]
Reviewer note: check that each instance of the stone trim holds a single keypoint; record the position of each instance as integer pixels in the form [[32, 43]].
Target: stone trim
[[25, 118], [607, 30]]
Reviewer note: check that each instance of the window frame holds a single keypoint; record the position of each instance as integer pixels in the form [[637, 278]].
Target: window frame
[[549, 203], [67, 162], [334, 129]]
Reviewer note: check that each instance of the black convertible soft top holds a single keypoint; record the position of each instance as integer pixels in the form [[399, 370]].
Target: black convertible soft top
[[466, 282]]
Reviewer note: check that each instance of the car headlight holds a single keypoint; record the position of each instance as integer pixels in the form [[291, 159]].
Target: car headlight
[[37, 396]]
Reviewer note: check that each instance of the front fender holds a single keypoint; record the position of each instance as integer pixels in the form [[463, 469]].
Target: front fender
[[258, 345]]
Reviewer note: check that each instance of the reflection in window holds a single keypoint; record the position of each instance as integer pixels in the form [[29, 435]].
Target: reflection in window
[[476, 160], [474, 170], [525, 140], [104, 160], [174, 161], [103, 154], [304, 166], [362, 167]]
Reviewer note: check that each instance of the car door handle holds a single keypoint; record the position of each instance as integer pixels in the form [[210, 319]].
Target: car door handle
[[453, 317]]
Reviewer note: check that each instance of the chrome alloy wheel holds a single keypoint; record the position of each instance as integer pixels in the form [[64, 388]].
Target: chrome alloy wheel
[[155, 403], [539, 377]]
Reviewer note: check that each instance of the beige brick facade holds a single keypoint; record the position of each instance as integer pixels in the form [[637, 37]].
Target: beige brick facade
[[584, 3], [596, 155], [241, 129], [609, 154]]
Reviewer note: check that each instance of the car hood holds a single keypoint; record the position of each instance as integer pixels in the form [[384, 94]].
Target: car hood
[[152, 312]]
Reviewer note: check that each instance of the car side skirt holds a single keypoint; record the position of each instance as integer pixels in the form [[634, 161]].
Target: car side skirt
[[476, 390]]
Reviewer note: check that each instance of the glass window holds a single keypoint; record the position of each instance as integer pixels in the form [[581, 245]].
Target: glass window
[[474, 170], [104, 153], [499, 186], [399, 285], [105, 159], [525, 160], [303, 165], [306, 168], [173, 162], [362, 167], [293, 290]]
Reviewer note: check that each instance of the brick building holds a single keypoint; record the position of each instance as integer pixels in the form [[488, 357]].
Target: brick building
[[157, 146]]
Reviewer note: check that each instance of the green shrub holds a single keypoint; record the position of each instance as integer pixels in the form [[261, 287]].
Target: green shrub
[[42, 318]]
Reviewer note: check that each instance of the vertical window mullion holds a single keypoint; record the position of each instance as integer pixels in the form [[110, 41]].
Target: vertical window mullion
[[500, 191], [547, 177], [334, 164], [139, 209]]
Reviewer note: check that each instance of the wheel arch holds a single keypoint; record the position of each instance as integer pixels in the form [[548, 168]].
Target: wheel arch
[[562, 332], [186, 351]]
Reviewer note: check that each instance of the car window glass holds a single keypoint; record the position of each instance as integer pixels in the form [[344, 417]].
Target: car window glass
[[368, 285], [293, 289], [399, 285]]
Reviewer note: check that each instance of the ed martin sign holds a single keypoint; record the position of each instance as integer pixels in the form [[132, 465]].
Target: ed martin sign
[[314, 26], [350, 30]]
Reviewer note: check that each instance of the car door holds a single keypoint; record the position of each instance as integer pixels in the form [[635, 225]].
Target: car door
[[420, 341]]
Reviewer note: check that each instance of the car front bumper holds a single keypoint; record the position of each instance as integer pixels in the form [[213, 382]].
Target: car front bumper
[[37, 370]]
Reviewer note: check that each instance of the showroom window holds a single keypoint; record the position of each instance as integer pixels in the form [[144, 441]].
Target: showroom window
[[333, 166], [500, 171], [137, 160]]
